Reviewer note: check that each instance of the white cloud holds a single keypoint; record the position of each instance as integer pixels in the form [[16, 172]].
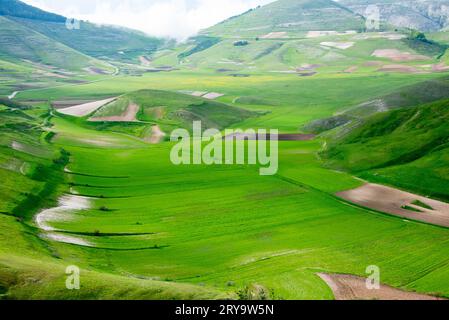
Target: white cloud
[[164, 18]]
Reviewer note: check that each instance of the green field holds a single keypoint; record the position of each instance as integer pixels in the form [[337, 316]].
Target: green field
[[140, 227]]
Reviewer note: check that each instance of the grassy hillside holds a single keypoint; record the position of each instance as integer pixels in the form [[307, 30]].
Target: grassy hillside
[[406, 147], [106, 42], [169, 110], [31, 171], [18, 42], [295, 16], [234, 229], [109, 42], [20, 9], [408, 96]]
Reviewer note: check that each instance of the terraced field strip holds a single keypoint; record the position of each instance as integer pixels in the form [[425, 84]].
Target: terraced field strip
[[83, 110], [348, 287]]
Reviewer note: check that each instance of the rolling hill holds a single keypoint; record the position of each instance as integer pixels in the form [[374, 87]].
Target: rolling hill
[[294, 16], [18, 43], [15, 8], [298, 16], [105, 42], [135, 113], [407, 147]]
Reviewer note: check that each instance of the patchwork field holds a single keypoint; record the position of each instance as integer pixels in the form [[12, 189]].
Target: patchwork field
[[362, 181]]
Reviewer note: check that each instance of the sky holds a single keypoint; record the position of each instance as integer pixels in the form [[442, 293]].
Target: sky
[[177, 19]]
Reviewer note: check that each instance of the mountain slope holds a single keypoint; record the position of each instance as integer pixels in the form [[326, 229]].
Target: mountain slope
[[409, 96], [19, 9], [107, 42], [423, 15], [406, 147], [298, 16], [292, 16], [93, 40], [18, 42]]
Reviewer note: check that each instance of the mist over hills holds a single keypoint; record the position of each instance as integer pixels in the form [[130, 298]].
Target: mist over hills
[[104, 42], [305, 15]]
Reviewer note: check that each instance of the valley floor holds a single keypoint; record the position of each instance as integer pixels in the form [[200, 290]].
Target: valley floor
[[204, 232]]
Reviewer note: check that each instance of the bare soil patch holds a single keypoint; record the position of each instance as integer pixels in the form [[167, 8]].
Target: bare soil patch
[[129, 115], [62, 104], [213, 95], [348, 287], [85, 109], [399, 68], [441, 67], [398, 56], [373, 64], [198, 93], [156, 136], [338, 45], [394, 201]]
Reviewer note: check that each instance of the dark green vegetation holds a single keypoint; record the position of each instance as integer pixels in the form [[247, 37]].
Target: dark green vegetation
[[407, 147], [153, 230], [422, 204], [200, 43], [419, 42]]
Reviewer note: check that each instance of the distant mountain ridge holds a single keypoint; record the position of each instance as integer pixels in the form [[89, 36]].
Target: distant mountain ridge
[[101, 42], [423, 15], [299, 16], [19, 9]]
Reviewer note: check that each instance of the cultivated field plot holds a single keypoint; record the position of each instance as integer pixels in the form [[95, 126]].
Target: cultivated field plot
[[191, 224]]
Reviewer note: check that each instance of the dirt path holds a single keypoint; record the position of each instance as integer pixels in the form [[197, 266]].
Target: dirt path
[[399, 203], [157, 135], [85, 109], [130, 115], [348, 287], [13, 95], [66, 206]]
